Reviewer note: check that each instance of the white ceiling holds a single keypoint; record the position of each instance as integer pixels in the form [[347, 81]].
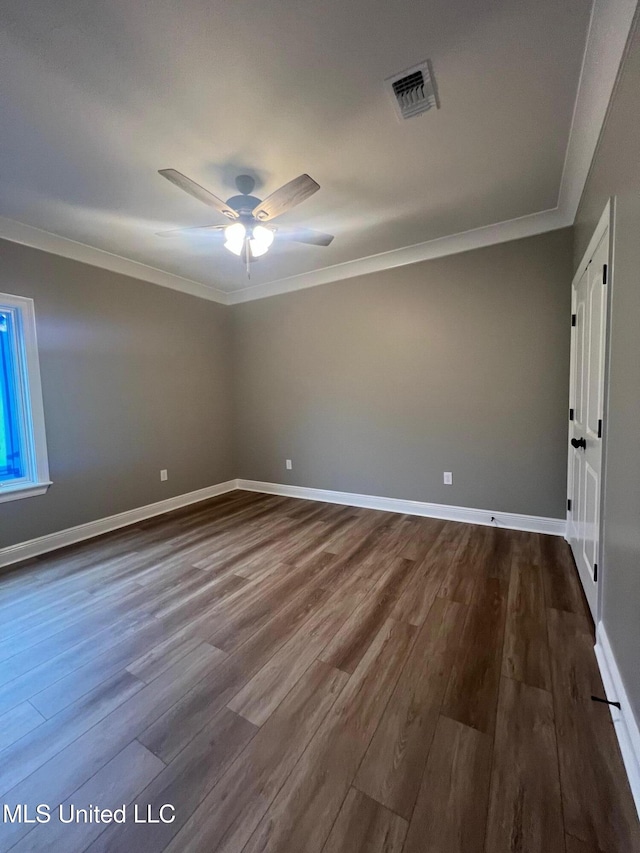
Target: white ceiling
[[96, 97]]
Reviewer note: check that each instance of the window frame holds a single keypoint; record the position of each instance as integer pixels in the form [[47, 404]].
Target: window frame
[[36, 480]]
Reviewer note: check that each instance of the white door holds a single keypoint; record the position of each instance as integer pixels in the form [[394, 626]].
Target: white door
[[586, 412]]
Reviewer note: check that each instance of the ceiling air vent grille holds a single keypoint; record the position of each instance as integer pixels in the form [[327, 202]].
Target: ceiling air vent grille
[[413, 91]]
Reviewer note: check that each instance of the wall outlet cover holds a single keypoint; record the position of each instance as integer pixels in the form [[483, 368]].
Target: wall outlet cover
[[164, 475], [447, 478]]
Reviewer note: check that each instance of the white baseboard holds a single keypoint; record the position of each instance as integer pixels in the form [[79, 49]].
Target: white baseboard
[[510, 520], [624, 720], [34, 547], [60, 539]]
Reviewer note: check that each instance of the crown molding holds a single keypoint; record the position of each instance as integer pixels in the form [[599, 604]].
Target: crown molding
[[478, 238], [607, 38], [609, 28], [36, 238]]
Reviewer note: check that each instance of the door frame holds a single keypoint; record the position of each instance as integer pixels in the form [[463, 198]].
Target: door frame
[[606, 221]]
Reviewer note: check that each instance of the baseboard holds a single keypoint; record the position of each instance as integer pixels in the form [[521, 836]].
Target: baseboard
[[510, 520], [62, 538], [624, 721], [43, 544]]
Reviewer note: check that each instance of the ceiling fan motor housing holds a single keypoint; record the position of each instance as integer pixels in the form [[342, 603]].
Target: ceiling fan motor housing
[[244, 204]]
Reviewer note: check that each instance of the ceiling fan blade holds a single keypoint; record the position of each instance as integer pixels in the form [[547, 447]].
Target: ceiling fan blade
[[198, 192], [173, 232], [304, 235], [286, 197]]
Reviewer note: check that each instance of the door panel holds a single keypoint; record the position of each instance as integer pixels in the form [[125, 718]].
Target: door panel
[[581, 323], [589, 305], [595, 364], [589, 530]]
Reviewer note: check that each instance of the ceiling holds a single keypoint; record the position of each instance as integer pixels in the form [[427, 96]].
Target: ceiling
[[96, 97]]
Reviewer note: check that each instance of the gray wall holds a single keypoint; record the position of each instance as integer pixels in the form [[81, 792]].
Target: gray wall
[[378, 384], [616, 172], [135, 378]]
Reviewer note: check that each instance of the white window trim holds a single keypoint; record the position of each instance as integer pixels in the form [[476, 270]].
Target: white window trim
[[37, 480]]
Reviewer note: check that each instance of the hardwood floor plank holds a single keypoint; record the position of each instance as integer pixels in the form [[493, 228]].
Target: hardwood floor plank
[[500, 556], [460, 572], [172, 730], [164, 654], [360, 544], [525, 809], [364, 826], [321, 540], [34, 749], [258, 543], [175, 585], [14, 620], [72, 635], [353, 533], [451, 810], [255, 608], [426, 532], [38, 677], [393, 536], [350, 643], [184, 783], [472, 694], [560, 578], [18, 722], [526, 651], [574, 845], [416, 600], [40, 643], [49, 768], [227, 816], [117, 783], [263, 693], [217, 591], [71, 688], [302, 815], [303, 541], [598, 806], [392, 768]]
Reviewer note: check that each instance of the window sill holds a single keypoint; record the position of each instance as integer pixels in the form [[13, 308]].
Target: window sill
[[24, 490]]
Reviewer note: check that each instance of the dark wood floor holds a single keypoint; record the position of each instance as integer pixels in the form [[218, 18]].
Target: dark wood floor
[[303, 677]]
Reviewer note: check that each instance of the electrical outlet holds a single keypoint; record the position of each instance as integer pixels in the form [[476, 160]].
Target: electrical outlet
[[164, 475], [288, 465], [447, 478]]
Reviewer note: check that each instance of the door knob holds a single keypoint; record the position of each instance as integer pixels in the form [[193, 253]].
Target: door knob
[[579, 442]]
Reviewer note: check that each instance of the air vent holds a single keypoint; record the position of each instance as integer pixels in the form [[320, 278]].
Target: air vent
[[413, 91]]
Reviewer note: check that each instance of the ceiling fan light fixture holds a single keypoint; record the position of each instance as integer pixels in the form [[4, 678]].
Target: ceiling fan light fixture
[[261, 240], [234, 237]]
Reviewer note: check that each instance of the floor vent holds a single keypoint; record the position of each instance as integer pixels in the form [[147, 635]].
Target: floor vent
[[413, 91]]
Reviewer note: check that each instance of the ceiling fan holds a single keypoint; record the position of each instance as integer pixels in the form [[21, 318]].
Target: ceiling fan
[[247, 237]]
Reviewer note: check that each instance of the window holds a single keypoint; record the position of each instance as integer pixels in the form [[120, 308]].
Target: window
[[24, 470]]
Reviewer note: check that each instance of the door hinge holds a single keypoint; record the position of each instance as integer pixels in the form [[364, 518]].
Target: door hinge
[[604, 274], [570, 414], [595, 572], [600, 428], [569, 504], [573, 319]]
